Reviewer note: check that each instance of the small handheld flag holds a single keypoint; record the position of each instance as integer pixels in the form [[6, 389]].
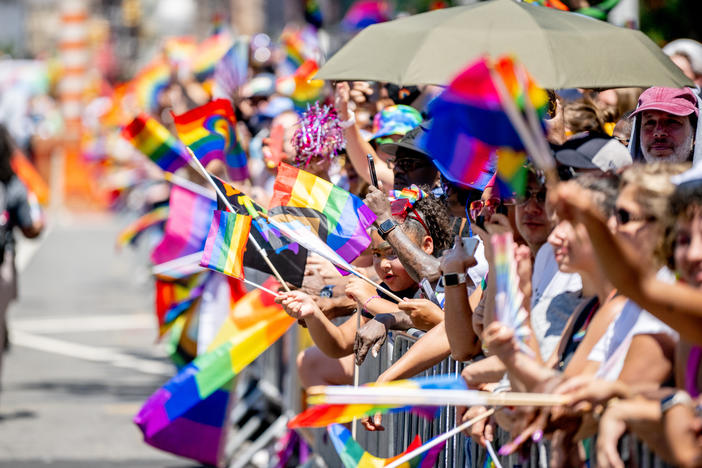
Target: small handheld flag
[[226, 243], [156, 142], [210, 132]]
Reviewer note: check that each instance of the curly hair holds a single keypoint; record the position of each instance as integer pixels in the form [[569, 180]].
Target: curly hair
[[435, 215]]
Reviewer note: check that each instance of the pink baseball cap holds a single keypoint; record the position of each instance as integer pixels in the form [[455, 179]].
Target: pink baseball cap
[[676, 101]]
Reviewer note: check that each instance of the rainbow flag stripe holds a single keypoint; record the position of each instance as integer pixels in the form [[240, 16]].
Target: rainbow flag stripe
[[209, 52], [508, 69], [339, 218], [149, 82], [363, 13], [326, 414], [470, 127], [353, 456], [155, 141], [210, 132], [511, 172], [154, 217], [508, 296], [226, 243]]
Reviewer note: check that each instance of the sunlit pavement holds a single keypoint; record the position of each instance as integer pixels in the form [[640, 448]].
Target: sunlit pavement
[[83, 355]]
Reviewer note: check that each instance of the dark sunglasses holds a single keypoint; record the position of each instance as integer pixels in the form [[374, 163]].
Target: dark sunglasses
[[491, 204], [539, 196], [625, 217], [409, 164]]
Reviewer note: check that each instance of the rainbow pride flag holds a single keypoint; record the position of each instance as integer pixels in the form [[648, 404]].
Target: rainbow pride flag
[[181, 343], [508, 296], [226, 243], [155, 141], [153, 218], [313, 14], [172, 298], [209, 52], [289, 258], [189, 219], [180, 50], [149, 82], [256, 322], [412, 193], [298, 44], [300, 86], [469, 125], [338, 217], [363, 13], [210, 132], [352, 454], [325, 414], [231, 72]]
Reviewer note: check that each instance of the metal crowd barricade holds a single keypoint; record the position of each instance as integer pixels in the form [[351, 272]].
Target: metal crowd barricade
[[268, 394]]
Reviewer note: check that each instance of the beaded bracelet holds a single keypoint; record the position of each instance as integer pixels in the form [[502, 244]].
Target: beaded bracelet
[[365, 303]]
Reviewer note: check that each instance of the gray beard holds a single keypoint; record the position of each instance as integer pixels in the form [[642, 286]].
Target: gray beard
[[682, 153]]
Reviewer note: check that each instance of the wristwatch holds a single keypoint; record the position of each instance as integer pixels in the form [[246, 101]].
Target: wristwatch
[[327, 291], [678, 398], [386, 227], [454, 279]]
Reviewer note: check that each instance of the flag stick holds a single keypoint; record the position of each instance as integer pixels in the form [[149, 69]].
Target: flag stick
[[258, 286], [188, 260], [355, 272], [548, 161], [439, 439], [396, 395], [492, 453], [542, 160], [187, 184], [194, 260], [356, 371], [260, 250]]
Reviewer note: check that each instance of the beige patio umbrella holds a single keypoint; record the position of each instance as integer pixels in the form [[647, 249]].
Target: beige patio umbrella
[[560, 49]]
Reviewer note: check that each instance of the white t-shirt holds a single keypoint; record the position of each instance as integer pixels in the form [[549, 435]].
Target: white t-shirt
[[479, 271], [612, 348], [552, 299]]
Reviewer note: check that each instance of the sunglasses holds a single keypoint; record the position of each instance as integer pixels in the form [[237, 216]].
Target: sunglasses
[[625, 217], [539, 196], [409, 164], [491, 204], [402, 208]]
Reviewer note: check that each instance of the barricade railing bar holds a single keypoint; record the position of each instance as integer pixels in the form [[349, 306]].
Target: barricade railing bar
[[277, 390]]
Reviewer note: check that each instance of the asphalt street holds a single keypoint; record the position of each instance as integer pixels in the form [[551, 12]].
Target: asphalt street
[[83, 353]]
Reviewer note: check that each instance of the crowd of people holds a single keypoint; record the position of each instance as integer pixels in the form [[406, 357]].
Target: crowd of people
[[609, 263], [609, 258]]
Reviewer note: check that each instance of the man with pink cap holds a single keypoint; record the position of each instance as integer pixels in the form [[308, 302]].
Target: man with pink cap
[[666, 125]]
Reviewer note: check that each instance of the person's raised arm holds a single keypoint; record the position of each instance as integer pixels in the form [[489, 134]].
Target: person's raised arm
[[416, 261], [458, 311], [356, 146], [677, 304]]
